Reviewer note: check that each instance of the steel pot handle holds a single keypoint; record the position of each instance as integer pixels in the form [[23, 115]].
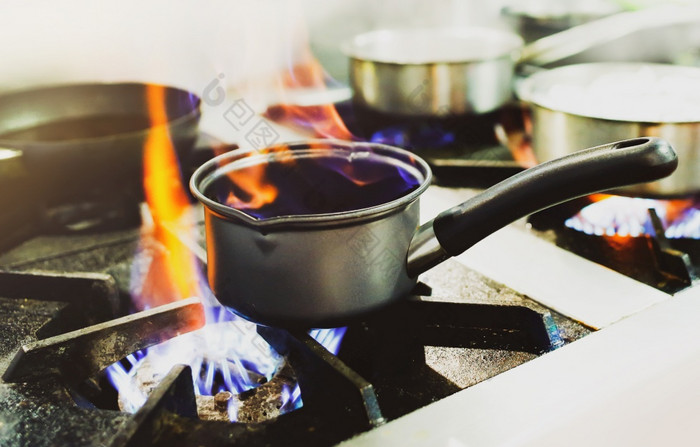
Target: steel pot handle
[[584, 172], [575, 40]]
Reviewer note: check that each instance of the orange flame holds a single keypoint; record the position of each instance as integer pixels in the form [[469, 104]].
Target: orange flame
[[674, 208], [252, 180], [599, 197], [323, 120], [172, 273], [514, 130], [253, 183]]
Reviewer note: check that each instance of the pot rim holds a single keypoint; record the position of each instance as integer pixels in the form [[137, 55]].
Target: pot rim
[[507, 44], [529, 90], [215, 167]]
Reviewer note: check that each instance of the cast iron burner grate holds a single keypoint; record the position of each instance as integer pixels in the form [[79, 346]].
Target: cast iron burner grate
[[60, 331], [669, 265]]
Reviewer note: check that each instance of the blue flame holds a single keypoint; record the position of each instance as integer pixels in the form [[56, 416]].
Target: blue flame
[[329, 339], [222, 355], [291, 399], [416, 136], [629, 216]]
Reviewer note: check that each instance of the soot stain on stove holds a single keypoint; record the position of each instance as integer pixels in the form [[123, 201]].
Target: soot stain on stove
[[42, 412], [22, 318], [468, 366]]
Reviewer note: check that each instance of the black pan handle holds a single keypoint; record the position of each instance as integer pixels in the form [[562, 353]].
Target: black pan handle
[[584, 172]]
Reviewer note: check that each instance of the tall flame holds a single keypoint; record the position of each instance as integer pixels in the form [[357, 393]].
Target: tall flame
[[281, 77], [301, 86], [166, 270], [172, 272], [227, 354], [227, 347]]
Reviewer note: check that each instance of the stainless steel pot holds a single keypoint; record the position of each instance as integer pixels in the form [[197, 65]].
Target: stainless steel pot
[[562, 125], [439, 71], [322, 269]]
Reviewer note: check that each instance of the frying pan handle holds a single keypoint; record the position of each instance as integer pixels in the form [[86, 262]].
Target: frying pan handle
[[585, 172]]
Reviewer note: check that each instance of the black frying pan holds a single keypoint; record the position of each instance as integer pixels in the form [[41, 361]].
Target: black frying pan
[[73, 143], [78, 137]]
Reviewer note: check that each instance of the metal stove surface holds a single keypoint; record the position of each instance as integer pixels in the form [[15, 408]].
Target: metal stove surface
[[44, 404], [632, 382]]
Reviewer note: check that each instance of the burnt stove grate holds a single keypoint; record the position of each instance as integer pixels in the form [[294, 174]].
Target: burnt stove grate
[[385, 368], [669, 265], [338, 401]]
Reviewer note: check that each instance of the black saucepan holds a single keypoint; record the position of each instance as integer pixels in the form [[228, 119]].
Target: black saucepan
[[323, 252]]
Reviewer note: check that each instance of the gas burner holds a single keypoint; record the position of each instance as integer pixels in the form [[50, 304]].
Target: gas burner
[[237, 376], [628, 216], [651, 241], [255, 397], [385, 367], [462, 150]]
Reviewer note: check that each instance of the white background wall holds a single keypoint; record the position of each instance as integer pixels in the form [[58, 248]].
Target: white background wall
[[187, 42]]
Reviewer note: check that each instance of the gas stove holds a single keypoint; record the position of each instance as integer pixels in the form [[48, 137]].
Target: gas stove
[[67, 299], [517, 341]]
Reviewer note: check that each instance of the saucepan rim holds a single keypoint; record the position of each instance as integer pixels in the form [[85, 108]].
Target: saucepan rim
[[217, 166]]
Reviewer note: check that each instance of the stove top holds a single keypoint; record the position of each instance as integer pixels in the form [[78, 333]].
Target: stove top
[[67, 299], [517, 329]]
